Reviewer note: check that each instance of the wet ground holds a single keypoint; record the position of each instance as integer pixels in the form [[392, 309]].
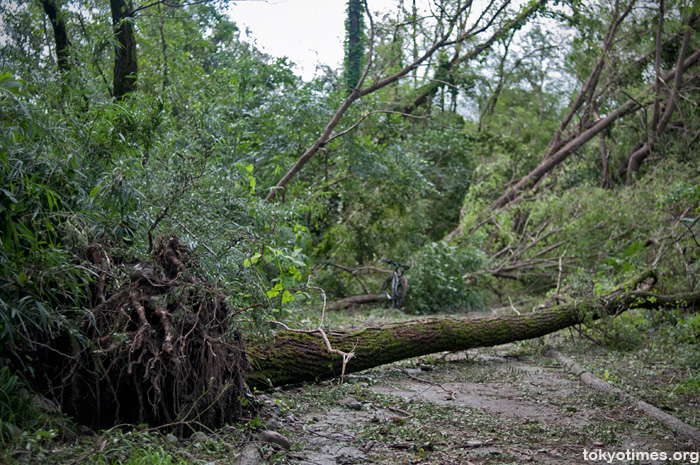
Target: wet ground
[[476, 407]]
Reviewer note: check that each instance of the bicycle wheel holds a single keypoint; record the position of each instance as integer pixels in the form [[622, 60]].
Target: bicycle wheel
[[394, 288], [385, 298], [401, 291]]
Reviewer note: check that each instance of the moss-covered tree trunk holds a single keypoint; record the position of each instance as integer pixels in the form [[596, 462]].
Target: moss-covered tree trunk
[[303, 356], [354, 44]]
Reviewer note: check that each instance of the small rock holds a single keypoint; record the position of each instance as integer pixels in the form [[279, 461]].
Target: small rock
[[355, 405], [250, 455], [199, 437], [171, 438], [275, 438], [426, 368], [352, 403]]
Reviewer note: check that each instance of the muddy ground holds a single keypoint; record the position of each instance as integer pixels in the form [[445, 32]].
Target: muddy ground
[[503, 405], [474, 407]]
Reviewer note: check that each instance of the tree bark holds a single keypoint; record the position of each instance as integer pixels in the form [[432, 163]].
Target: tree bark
[[302, 356], [353, 300], [59, 31], [125, 57], [354, 52]]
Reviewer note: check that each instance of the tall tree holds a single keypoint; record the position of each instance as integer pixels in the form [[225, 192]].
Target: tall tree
[[354, 43], [58, 22], [125, 56]]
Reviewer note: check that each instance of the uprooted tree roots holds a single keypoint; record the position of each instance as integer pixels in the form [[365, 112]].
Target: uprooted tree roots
[[161, 350]]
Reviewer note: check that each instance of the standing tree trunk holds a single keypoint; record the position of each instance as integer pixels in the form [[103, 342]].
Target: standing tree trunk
[[354, 43], [125, 57], [303, 356], [59, 31]]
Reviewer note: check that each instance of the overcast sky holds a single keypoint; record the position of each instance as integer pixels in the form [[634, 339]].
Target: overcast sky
[[307, 31]]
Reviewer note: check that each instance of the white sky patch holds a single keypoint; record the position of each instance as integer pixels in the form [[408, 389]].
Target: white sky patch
[[308, 32]]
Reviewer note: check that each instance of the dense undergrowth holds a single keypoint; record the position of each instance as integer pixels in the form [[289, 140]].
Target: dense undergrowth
[[214, 124]]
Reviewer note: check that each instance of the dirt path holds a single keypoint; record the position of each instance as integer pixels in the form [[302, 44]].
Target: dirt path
[[475, 407]]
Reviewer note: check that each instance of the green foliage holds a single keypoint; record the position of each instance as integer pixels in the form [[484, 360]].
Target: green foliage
[[437, 280], [39, 200], [23, 424], [15, 406], [135, 447]]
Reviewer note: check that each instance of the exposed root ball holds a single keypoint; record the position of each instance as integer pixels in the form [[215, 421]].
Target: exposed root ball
[[163, 352]]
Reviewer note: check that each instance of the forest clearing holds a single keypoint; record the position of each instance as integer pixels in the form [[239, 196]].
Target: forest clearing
[[475, 242]]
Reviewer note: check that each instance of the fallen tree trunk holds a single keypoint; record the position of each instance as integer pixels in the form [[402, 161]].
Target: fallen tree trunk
[[303, 356], [592, 381], [353, 300]]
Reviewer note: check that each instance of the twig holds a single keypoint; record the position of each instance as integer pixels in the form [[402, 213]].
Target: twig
[[191, 234], [353, 273], [512, 306], [241, 310], [401, 411], [346, 355], [560, 272], [367, 115], [432, 383]]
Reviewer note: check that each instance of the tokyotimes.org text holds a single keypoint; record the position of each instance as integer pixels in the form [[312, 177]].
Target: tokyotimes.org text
[[634, 456]]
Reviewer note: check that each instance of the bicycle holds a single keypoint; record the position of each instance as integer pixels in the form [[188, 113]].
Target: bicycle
[[396, 286]]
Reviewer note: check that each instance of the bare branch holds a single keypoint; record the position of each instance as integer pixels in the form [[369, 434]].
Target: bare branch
[[355, 95], [170, 4]]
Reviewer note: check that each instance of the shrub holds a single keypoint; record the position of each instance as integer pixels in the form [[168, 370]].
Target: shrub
[[436, 281]]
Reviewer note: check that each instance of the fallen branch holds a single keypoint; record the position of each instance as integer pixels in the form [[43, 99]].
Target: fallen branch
[[590, 380], [353, 300], [346, 355]]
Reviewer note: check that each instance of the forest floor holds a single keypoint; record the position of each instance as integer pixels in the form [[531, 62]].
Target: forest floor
[[509, 404]]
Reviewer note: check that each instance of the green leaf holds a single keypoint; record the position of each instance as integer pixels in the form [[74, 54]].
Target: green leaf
[[9, 195], [94, 191], [9, 84]]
